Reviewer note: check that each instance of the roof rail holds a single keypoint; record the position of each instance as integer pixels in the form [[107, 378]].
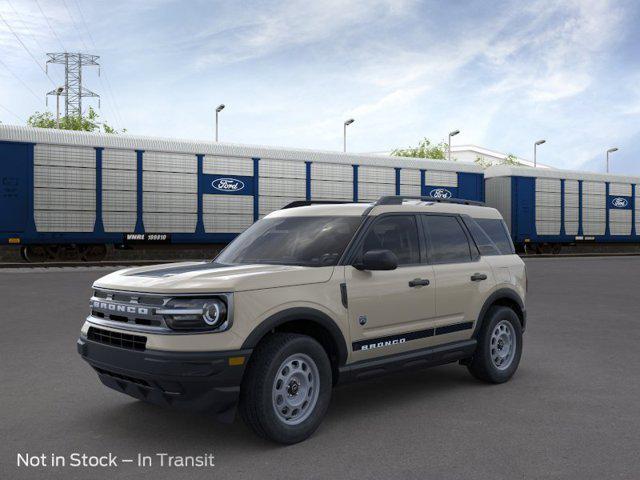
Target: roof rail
[[307, 203], [398, 199]]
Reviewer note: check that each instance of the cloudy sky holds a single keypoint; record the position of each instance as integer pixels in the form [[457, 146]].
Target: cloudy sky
[[504, 73]]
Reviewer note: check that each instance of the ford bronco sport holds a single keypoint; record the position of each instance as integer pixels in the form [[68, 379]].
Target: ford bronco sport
[[309, 297]]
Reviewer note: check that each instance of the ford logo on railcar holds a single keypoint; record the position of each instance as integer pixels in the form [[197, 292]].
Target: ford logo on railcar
[[620, 202], [228, 184], [440, 193]]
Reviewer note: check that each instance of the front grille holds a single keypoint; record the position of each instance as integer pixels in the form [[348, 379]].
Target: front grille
[[117, 339], [129, 308]]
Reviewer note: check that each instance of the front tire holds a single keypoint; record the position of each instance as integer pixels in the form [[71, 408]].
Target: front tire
[[287, 388], [499, 346]]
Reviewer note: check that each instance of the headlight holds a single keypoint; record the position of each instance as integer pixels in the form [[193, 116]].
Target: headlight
[[196, 314]]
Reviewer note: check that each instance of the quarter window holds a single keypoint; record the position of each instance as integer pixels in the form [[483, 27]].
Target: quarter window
[[397, 233], [497, 231], [447, 241], [486, 246]]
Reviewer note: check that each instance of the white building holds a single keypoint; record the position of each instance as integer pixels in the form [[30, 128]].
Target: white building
[[469, 153]]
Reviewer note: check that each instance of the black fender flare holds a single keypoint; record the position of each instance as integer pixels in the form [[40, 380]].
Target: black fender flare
[[500, 294], [299, 313]]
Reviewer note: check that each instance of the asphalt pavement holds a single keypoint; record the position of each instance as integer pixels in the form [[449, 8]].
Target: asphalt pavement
[[571, 411]]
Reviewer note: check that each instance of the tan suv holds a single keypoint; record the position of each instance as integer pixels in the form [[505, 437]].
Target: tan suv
[[309, 297]]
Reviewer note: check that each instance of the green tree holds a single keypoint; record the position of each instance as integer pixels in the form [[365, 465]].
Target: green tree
[[87, 123], [510, 159], [425, 149]]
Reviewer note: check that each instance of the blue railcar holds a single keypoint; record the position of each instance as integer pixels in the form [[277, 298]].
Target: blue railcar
[[548, 208], [84, 190]]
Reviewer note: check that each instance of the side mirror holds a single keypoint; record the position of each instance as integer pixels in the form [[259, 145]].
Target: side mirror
[[378, 260]]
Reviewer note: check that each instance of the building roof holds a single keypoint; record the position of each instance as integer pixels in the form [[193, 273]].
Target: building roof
[[17, 133], [493, 153]]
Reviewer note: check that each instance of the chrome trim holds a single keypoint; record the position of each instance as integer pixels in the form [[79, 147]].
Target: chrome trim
[[132, 327], [179, 311]]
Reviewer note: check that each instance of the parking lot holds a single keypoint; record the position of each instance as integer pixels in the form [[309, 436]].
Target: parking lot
[[571, 411]]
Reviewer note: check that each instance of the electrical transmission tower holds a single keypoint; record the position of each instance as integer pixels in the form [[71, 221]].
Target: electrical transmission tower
[[73, 91]]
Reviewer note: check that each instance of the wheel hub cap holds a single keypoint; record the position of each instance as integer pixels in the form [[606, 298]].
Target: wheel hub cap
[[296, 388], [503, 345]]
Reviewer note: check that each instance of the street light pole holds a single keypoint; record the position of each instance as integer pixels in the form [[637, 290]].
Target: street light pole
[[451, 134], [535, 152], [59, 91], [611, 150], [344, 133], [219, 108]]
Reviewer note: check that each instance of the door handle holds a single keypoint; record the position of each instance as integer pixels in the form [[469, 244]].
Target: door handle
[[478, 277], [419, 282]]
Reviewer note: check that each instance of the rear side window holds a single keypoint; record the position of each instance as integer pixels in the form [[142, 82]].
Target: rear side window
[[498, 233], [447, 241], [486, 245], [398, 233]]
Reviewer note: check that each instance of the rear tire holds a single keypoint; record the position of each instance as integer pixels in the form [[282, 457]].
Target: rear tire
[[499, 346], [286, 390]]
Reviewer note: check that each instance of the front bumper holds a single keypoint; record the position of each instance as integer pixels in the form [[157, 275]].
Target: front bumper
[[197, 381]]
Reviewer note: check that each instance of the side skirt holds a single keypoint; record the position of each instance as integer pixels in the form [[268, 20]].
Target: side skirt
[[425, 357]]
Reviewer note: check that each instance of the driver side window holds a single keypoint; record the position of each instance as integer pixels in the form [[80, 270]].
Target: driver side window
[[397, 233]]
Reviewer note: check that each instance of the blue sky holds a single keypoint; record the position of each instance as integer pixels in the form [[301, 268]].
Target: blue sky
[[504, 73]]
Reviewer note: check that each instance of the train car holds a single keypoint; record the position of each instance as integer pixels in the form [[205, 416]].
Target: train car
[[547, 209], [77, 192]]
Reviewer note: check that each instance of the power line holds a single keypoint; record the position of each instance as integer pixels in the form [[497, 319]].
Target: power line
[[50, 27], [73, 22], [26, 27], [27, 49], [20, 80], [85, 23], [110, 97], [12, 113]]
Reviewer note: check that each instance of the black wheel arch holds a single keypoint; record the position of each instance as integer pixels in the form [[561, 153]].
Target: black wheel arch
[[308, 321], [503, 297]]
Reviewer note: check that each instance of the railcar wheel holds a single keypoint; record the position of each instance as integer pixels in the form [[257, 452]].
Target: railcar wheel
[[93, 253], [35, 253]]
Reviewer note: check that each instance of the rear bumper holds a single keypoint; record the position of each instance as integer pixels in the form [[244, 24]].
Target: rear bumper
[[197, 381]]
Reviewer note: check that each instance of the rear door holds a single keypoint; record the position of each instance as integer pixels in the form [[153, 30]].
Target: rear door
[[389, 311], [462, 278], [13, 186]]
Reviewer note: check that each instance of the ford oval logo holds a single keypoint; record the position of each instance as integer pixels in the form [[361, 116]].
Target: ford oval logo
[[620, 202], [440, 193], [228, 184]]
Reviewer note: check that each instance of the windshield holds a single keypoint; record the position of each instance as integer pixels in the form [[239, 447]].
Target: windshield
[[305, 241]]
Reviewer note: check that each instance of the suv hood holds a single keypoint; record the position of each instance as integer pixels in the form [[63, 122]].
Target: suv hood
[[207, 277]]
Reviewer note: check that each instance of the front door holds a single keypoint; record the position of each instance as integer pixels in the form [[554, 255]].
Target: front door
[[390, 311]]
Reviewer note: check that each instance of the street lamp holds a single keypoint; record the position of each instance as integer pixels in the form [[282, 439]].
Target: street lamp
[[452, 134], [535, 152], [218, 110], [59, 91], [611, 150], [344, 134]]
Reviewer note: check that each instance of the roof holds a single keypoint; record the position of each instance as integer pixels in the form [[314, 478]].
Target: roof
[[510, 171], [493, 153], [17, 133], [357, 209]]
